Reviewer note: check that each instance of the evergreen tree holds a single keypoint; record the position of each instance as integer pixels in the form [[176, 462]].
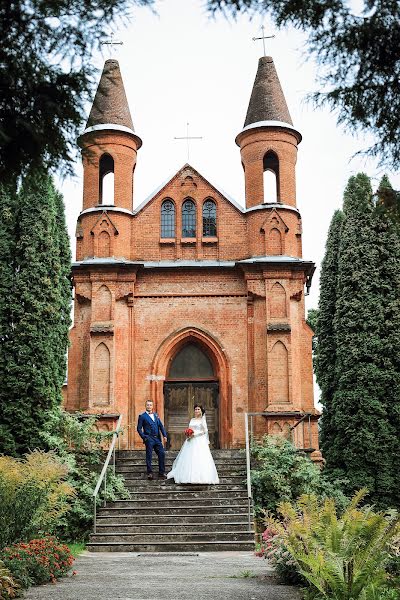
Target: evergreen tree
[[363, 445], [7, 270], [325, 351], [38, 318]]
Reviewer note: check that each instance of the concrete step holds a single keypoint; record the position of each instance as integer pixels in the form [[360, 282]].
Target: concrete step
[[169, 484], [125, 461], [215, 546], [131, 518], [225, 479], [202, 510], [227, 453], [140, 467], [162, 536], [164, 495], [167, 504], [154, 528]]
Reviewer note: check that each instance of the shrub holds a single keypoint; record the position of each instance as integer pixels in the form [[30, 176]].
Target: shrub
[[33, 496], [77, 444], [274, 550], [37, 562], [283, 474], [342, 558], [9, 588]]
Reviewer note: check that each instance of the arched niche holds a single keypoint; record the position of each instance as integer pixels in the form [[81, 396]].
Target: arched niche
[[104, 245], [103, 304], [278, 392], [101, 375], [275, 242], [277, 301]]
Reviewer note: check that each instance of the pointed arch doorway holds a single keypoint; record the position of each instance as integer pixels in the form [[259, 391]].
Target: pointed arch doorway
[[190, 380]]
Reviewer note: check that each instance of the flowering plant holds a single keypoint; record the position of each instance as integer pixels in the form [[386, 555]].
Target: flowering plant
[[278, 556], [189, 432], [38, 561]]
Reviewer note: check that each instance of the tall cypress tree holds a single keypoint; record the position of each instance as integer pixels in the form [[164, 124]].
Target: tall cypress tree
[[39, 307], [325, 354], [8, 204], [361, 442]]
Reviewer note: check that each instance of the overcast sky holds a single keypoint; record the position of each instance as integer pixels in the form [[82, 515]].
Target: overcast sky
[[181, 65]]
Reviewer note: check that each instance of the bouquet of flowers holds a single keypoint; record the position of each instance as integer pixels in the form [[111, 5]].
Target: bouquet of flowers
[[189, 432]]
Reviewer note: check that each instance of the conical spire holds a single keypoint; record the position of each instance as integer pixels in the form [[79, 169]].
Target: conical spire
[[267, 102], [110, 105]]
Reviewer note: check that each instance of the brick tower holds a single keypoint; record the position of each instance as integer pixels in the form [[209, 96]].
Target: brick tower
[[192, 297]]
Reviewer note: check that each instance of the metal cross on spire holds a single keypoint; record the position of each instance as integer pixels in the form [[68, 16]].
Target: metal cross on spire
[[263, 38], [111, 42], [187, 137]]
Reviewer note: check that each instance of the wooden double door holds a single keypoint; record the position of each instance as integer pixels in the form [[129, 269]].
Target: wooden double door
[[179, 401]]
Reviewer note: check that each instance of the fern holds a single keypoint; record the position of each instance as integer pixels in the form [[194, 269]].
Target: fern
[[341, 558]]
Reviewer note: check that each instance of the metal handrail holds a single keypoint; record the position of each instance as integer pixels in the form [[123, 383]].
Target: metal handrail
[[248, 467], [103, 474]]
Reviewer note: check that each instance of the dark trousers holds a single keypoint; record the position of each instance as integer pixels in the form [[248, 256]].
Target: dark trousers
[[153, 443]]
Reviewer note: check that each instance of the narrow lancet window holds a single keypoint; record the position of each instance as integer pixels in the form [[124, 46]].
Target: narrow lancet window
[[106, 180], [188, 219], [168, 219], [271, 177], [209, 218]]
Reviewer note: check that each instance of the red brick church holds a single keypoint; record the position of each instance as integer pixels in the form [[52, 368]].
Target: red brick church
[[189, 296]]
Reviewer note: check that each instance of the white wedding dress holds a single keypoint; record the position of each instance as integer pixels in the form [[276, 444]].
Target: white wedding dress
[[194, 463]]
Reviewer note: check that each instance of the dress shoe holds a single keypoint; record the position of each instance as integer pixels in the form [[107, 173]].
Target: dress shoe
[[150, 476], [162, 476]]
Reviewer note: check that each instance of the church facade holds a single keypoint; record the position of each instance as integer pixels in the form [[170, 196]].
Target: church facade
[[191, 297]]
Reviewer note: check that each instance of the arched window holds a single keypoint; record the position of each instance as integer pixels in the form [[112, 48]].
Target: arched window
[[188, 219], [271, 177], [209, 218], [106, 180], [167, 219]]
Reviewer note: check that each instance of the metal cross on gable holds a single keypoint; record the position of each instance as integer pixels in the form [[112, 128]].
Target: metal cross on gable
[[111, 42], [263, 38], [188, 137]]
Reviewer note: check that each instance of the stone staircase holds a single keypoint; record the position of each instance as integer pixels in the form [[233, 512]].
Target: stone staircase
[[162, 516]]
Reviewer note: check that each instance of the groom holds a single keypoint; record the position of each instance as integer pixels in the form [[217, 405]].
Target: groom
[[149, 427]]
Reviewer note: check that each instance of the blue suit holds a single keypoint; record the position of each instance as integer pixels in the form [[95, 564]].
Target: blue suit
[[149, 431]]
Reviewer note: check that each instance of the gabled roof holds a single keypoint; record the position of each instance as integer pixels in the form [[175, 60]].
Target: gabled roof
[[110, 105], [267, 101], [190, 170]]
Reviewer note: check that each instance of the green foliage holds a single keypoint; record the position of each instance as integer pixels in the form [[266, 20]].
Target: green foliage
[[283, 474], [388, 200], [9, 587], [39, 561], [46, 71], [342, 558], [325, 352], [34, 496], [77, 444], [359, 58], [312, 321], [77, 548], [361, 441], [34, 310]]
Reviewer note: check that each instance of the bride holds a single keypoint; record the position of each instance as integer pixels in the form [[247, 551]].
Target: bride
[[194, 463]]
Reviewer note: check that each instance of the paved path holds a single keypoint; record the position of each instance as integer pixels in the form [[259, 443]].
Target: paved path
[[130, 576]]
